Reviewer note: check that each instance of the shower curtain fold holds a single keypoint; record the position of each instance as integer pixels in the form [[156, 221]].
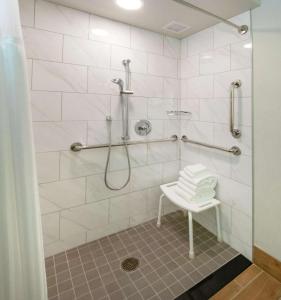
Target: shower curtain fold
[[22, 270]]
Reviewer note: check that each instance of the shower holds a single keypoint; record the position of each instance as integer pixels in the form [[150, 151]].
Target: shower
[[124, 99]]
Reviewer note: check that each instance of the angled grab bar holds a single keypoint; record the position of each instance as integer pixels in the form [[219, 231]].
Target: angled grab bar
[[236, 133], [234, 150]]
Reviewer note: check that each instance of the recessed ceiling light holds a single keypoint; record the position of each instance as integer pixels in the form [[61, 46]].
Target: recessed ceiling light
[[248, 46], [130, 4]]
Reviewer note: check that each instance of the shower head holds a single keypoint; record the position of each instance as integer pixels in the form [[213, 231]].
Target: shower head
[[119, 82]]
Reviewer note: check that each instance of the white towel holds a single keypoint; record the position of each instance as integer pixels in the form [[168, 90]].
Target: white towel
[[211, 183], [195, 169], [204, 194], [207, 179]]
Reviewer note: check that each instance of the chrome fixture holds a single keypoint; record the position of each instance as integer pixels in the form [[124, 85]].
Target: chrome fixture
[[120, 82], [76, 147], [178, 113], [143, 127], [242, 29], [124, 98], [234, 150], [236, 133]]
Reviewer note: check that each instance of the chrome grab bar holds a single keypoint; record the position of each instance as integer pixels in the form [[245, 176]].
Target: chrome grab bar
[[234, 150], [236, 133], [76, 147]]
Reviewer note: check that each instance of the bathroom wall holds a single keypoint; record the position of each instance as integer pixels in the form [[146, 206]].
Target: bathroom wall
[[267, 160], [72, 57], [210, 61]]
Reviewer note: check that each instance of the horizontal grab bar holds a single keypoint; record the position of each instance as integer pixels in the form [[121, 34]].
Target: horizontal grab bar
[[234, 150], [76, 147]]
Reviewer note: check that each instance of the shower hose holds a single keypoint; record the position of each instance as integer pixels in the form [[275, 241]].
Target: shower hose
[[109, 129]]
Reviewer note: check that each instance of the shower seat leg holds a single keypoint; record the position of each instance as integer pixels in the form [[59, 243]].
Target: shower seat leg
[[219, 237], [190, 233], [160, 211]]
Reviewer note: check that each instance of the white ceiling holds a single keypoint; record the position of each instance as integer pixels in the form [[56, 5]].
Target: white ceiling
[[155, 14]]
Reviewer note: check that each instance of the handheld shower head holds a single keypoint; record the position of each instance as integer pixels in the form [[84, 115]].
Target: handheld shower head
[[119, 82]]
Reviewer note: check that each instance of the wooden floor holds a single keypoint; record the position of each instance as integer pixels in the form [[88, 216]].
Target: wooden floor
[[252, 284]]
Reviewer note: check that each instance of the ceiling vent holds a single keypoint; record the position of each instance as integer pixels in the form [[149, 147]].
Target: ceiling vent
[[176, 27]]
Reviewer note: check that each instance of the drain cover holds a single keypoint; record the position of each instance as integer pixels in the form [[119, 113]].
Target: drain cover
[[130, 264]]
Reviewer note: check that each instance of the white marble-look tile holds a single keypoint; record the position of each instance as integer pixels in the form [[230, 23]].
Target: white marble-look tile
[[105, 30], [217, 161], [84, 218], [153, 196], [170, 171], [119, 161], [98, 132], [244, 248], [214, 110], [84, 52], [51, 76], [147, 176], [55, 136], [243, 107], [241, 55], [137, 108], [147, 85], [65, 193], [46, 106], [171, 88], [66, 243], [50, 226], [172, 47], [61, 19], [162, 66], [47, 166], [225, 212], [157, 108], [37, 44], [223, 137], [215, 61], [222, 83], [73, 164], [238, 195], [199, 131], [162, 152], [199, 87], [47, 207], [191, 105], [96, 189], [145, 40], [189, 67], [100, 81], [77, 106], [242, 169], [138, 59], [184, 48], [26, 12], [242, 226], [225, 34], [201, 41]]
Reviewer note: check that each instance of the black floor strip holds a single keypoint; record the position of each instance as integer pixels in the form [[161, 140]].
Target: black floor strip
[[217, 280]]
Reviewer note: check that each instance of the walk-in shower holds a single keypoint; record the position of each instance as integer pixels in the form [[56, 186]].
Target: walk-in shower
[[124, 102]]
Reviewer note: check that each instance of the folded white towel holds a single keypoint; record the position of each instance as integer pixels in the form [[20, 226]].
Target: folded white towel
[[203, 195], [210, 183], [195, 169], [207, 179], [182, 194]]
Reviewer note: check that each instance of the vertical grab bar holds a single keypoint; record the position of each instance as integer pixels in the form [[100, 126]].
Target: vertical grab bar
[[236, 133]]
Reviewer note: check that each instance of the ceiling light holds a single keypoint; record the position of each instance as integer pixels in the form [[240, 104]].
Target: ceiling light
[[99, 32], [130, 4], [248, 46]]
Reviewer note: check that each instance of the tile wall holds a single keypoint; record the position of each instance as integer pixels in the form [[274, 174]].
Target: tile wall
[[210, 61], [72, 58]]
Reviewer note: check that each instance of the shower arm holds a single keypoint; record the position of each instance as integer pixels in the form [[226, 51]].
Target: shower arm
[[242, 29]]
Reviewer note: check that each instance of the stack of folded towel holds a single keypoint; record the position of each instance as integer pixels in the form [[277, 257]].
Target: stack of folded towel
[[196, 183]]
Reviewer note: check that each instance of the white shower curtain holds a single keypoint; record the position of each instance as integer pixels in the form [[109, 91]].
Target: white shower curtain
[[22, 271]]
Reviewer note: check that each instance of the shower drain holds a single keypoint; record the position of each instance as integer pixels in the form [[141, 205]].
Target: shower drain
[[130, 264]]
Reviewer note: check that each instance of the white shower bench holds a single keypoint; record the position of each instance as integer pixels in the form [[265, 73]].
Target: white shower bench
[[169, 191]]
